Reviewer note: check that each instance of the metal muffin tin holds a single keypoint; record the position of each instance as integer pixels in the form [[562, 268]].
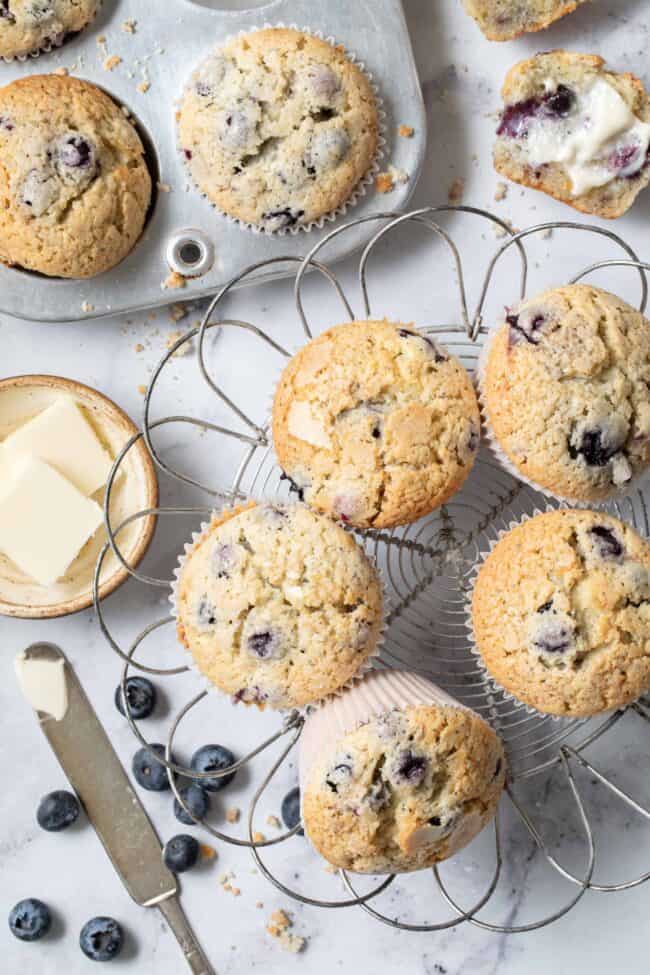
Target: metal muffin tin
[[170, 39]]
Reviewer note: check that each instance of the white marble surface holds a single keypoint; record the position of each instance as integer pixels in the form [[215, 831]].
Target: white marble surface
[[461, 74]]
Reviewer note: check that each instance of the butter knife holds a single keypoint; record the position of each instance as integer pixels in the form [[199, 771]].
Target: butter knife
[[82, 747]]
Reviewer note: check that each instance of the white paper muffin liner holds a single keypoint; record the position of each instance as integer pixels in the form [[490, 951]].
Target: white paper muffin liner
[[493, 445], [359, 191], [197, 537], [50, 46], [378, 692]]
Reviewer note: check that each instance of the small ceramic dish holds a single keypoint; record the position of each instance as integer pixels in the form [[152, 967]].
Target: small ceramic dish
[[136, 488]]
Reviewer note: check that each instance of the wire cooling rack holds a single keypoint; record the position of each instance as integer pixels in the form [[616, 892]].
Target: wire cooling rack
[[427, 566]]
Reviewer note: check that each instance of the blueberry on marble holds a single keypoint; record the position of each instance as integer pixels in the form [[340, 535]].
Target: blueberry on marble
[[593, 446], [57, 810], [198, 802], [410, 768], [605, 542], [290, 810], [147, 771], [282, 218], [29, 919], [181, 853], [140, 698], [214, 758], [101, 939]]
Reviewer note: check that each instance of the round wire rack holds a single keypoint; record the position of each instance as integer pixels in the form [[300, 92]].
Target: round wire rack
[[427, 566]]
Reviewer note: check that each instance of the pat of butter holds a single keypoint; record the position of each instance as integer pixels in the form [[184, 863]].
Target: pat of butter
[[43, 682], [601, 125], [44, 520], [64, 439]]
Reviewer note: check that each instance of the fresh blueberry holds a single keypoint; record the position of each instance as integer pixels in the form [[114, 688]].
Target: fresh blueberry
[[76, 152], [101, 939], [593, 447], [140, 697], [290, 810], [197, 800], [410, 768], [282, 218], [214, 758], [181, 853], [149, 773], [606, 542], [57, 811], [30, 919]]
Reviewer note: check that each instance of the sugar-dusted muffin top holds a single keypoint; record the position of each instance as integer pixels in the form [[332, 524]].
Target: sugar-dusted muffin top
[[503, 20], [278, 606], [585, 355], [561, 613], [375, 424], [278, 128], [73, 178], [30, 26], [405, 790], [575, 131]]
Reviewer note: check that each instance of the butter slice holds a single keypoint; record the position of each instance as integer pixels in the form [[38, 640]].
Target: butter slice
[[62, 437], [44, 520]]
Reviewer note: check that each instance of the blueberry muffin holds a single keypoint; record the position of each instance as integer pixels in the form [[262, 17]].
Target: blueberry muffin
[[575, 131], [30, 26], [561, 613], [278, 606], [74, 183], [585, 434], [396, 776], [375, 424], [278, 128], [503, 20]]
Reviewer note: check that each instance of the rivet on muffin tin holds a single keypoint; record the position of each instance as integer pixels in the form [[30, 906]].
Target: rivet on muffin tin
[[428, 567]]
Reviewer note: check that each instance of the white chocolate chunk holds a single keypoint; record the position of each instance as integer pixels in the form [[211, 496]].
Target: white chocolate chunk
[[63, 438], [44, 521], [305, 426]]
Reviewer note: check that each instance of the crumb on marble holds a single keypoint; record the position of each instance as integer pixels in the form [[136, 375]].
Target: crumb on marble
[[130, 26], [177, 312], [139, 347], [163, 187], [87, 307], [273, 821], [61, 71], [174, 281], [406, 131], [259, 838], [142, 390], [144, 87], [233, 814], [501, 192], [384, 183], [279, 927], [456, 191], [111, 62], [207, 852]]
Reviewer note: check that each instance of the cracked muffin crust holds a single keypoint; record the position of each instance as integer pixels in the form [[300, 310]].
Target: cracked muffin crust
[[392, 787], [375, 424], [575, 131], [561, 613], [74, 183], [30, 26], [278, 606], [503, 20], [278, 128], [586, 354]]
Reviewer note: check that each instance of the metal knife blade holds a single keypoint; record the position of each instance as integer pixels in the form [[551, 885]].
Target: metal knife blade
[[90, 762]]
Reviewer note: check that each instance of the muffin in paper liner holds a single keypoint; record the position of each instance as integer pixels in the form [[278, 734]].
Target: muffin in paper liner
[[372, 630], [358, 191], [50, 44], [493, 445], [451, 443], [396, 775], [469, 622]]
